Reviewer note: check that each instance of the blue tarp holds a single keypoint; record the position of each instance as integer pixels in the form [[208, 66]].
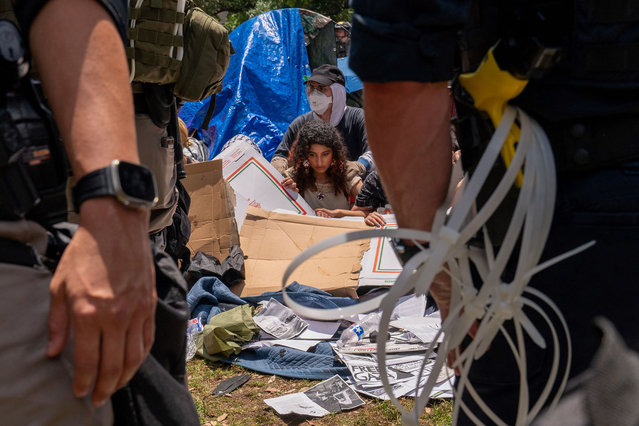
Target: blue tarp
[[353, 83], [263, 89]]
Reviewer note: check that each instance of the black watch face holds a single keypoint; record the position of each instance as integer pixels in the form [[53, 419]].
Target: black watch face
[[136, 181]]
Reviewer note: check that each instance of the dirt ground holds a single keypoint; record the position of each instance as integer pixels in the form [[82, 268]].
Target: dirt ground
[[246, 406]]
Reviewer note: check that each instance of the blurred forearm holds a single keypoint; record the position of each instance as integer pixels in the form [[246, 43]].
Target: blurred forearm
[[408, 131]]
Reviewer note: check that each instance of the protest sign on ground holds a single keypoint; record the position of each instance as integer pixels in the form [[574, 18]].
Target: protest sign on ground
[[380, 266]]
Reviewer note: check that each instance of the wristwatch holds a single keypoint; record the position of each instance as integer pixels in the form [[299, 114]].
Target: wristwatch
[[131, 184]]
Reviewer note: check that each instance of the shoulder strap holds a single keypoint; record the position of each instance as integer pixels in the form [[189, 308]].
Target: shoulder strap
[[209, 113]]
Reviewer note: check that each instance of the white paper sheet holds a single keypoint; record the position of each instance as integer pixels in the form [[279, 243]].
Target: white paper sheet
[[330, 396], [410, 306], [296, 403], [425, 328], [279, 321], [319, 330]]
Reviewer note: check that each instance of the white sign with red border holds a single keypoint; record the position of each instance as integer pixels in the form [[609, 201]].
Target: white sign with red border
[[380, 266], [257, 183]]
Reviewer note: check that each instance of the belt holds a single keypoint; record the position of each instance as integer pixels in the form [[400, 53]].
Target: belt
[[17, 253]]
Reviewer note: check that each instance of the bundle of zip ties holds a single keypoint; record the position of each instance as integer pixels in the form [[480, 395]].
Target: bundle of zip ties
[[495, 302]]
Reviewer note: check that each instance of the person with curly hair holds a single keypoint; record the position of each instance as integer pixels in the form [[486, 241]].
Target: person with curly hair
[[319, 171]]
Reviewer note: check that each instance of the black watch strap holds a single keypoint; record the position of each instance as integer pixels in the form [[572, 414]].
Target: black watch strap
[[93, 184]]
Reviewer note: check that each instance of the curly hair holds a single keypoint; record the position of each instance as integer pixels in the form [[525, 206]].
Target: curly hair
[[321, 133]]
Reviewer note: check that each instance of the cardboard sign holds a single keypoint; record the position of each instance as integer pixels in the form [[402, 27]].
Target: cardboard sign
[[380, 266], [256, 182], [271, 240], [213, 226]]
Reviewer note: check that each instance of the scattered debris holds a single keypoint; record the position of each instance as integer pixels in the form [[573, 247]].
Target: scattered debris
[[229, 385], [330, 396], [279, 321]]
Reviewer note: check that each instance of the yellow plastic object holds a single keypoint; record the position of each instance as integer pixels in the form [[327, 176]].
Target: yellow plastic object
[[491, 88]]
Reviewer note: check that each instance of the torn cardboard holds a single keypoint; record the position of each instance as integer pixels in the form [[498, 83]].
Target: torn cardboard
[[213, 226], [271, 240], [257, 183]]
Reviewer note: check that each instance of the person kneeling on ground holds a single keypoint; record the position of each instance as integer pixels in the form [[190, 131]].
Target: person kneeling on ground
[[319, 171]]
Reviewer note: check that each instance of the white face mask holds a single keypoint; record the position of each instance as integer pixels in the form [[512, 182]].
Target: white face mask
[[319, 102]]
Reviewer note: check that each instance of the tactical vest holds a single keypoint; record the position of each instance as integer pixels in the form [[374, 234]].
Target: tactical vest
[[156, 42], [170, 46]]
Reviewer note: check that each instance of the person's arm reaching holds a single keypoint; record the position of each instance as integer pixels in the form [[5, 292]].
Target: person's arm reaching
[[408, 128], [336, 213], [104, 286]]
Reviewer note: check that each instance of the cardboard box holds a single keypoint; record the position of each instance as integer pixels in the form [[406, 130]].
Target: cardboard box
[[257, 183], [271, 240], [213, 227]]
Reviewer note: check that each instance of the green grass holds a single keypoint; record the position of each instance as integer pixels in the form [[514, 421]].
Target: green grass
[[246, 406]]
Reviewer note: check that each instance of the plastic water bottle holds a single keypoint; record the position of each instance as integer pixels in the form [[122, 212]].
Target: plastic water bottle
[[193, 328], [358, 331]]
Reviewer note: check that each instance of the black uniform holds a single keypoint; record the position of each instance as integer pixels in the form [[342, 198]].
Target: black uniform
[[588, 104]]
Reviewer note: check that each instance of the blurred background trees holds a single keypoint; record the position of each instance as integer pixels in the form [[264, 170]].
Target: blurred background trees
[[237, 11]]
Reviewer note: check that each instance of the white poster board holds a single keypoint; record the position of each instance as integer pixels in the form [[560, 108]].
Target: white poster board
[[257, 183], [380, 266]]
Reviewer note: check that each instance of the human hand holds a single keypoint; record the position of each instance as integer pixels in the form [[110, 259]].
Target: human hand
[[322, 212], [374, 219], [104, 288], [290, 184]]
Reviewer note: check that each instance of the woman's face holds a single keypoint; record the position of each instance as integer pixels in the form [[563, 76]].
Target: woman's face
[[320, 158]]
